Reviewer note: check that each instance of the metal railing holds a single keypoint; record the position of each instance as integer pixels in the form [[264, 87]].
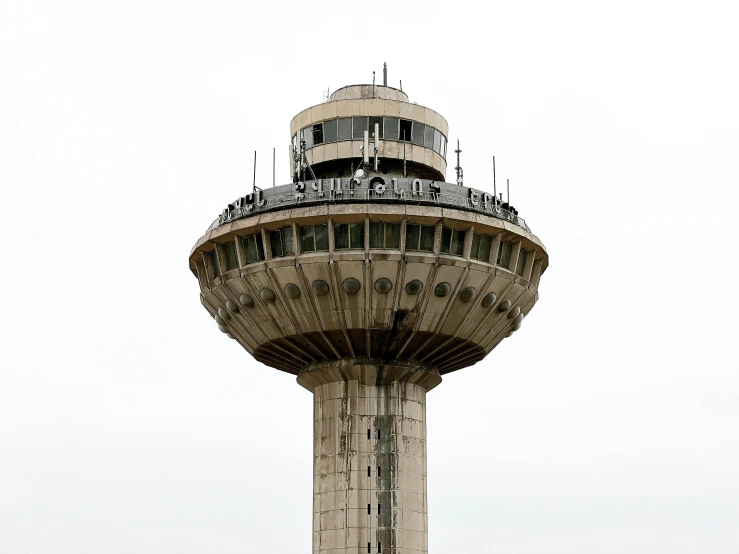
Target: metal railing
[[295, 198]]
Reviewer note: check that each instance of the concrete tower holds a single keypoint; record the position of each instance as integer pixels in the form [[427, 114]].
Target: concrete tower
[[369, 278]]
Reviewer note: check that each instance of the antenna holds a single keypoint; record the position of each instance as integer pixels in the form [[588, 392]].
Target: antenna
[[384, 74], [326, 95], [254, 184], [405, 170], [460, 174], [376, 139], [495, 189], [373, 84], [401, 85], [274, 157], [508, 192]]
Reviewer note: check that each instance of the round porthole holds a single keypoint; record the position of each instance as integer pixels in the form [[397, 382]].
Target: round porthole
[[320, 287], [267, 295], [414, 287], [383, 285], [292, 290], [352, 285], [489, 300], [246, 301], [442, 289], [467, 294]]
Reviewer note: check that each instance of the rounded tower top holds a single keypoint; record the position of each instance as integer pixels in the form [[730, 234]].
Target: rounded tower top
[[355, 92]]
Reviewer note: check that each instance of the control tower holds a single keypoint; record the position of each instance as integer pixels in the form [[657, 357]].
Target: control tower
[[369, 278]]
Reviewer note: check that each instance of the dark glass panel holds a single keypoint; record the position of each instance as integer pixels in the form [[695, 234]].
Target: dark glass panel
[[330, 131], [275, 238], [457, 243], [427, 238], [307, 239], [405, 129], [504, 254], [287, 241], [321, 233], [437, 141], [372, 120], [475, 246], [412, 236], [486, 242], [356, 235], [307, 134], [360, 126], [446, 240], [345, 128], [428, 137], [521, 262], [376, 235], [390, 131], [318, 133], [341, 235], [418, 130], [229, 252], [214, 263], [392, 235]]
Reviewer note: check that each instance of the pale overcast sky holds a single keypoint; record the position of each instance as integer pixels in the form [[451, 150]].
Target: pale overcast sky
[[608, 424]]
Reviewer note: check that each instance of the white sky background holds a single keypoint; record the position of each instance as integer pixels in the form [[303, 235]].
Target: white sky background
[[128, 423]]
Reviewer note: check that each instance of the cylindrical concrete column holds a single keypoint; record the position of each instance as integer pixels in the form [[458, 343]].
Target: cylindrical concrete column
[[369, 469]]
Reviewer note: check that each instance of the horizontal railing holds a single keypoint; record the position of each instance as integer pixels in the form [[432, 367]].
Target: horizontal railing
[[295, 198]]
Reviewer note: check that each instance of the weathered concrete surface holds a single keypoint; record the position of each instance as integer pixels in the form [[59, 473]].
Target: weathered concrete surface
[[369, 469]]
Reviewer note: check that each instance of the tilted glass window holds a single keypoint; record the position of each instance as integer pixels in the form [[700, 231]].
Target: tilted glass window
[[282, 242], [405, 130], [437, 141], [504, 254], [390, 131], [318, 133], [329, 131], [307, 135], [372, 120], [314, 238], [215, 267], [229, 253], [420, 237], [443, 146], [452, 241], [253, 248], [345, 128], [384, 235], [417, 135], [428, 137], [481, 247], [348, 235], [360, 126], [521, 264]]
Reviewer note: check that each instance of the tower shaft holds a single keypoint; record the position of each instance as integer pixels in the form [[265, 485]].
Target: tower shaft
[[369, 464]]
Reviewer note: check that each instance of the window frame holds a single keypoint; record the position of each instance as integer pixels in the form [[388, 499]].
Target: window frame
[[460, 233], [349, 227], [258, 248], [421, 228], [313, 238], [281, 232], [384, 225]]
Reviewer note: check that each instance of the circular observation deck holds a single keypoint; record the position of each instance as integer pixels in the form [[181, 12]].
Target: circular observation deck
[[403, 271]]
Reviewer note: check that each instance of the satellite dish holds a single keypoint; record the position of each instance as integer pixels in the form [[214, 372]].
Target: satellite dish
[[359, 173]]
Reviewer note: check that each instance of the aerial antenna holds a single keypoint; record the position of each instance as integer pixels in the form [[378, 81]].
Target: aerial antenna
[[495, 189], [254, 183], [405, 170], [326, 95], [384, 74], [508, 192], [401, 85], [460, 174], [373, 84]]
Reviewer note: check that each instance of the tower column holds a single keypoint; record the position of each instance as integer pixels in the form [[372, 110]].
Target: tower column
[[369, 456]]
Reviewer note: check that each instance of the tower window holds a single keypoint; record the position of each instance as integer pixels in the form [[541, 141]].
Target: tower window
[[379, 547], [379, 509], [329, 131], [318, 133], [417, 135], [437, 141], [229, 252], [390, 128], [369, 468], [384, 235], [253, 248], [369, 547], [307, 135], [481, 247], [521, 264], [348, 235], [428, 137], [360, 126], [452, 241], [369, 433], [345, 128], [372, 121], [504, 254], [405, 129], [379, 434], [420, 237], [215, 268], [379, 471], [314, 238], [282, 242], [369, 509]]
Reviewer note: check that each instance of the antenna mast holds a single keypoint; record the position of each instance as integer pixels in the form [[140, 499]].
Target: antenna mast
[[495, 189], [384, 74], [460, 173]]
